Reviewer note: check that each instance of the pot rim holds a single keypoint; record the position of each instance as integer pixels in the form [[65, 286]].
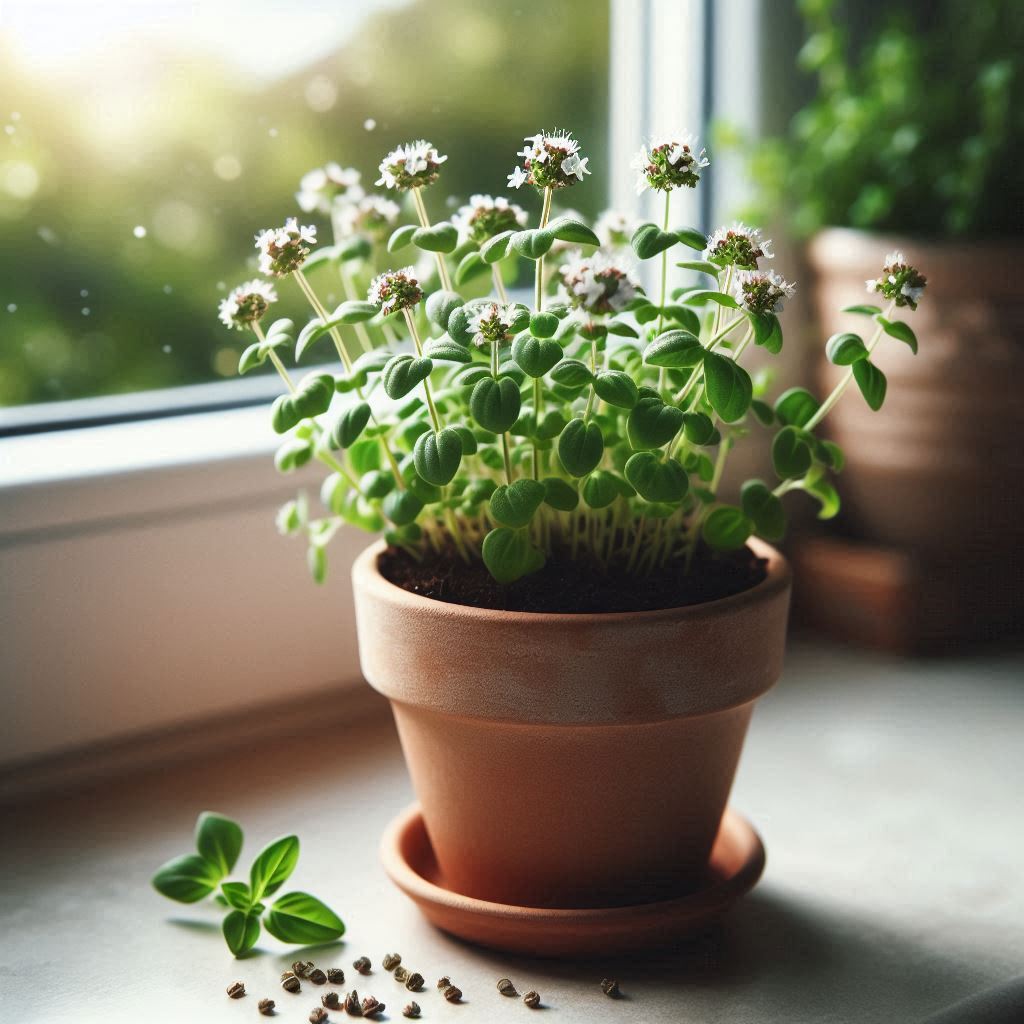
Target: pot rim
[[366, 572]]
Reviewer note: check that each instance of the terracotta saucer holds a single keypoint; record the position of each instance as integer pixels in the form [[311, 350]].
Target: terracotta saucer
[[737, 861]]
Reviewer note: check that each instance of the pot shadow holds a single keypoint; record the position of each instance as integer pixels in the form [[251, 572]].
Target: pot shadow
[[790, 958]]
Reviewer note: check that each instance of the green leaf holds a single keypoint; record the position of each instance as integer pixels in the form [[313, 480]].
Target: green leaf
[[622, 329], [292, 454], [703, 266], [864, 309], [616, 388], [580, 447], [354, 312], [674, 349], [440, 237], [656, 479], [900, 331], [600, 489], [796, 406], [252, 357], [376, 483], [791, 454], [241, 931], [445, 350], [495, 404], [270, 870], [515, 504], [698, 427], [726, 528], [569, 229], [440, 305], [301, 919], [832, 455], [572, 373], [218, 840], [187, 879], [401, 237], [763, 412], [543, 325], [685, 317], [871, 382], [648, 240], [237, 895], [532, 242], [402, 373], [700, 296], [437, 456], [729, 387], [312, 397], [402, 507], [350, 425], [535, 356], [509, 555], [356, 247], [496, 248], [845, 349], [764, 509], [692, 238], [560, 494], [470, 267], [652, 423], [826, 495], [767, 331]]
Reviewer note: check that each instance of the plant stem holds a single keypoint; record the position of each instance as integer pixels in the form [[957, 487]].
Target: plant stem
[[318, 308], [504, 436], [538, 305], [411, 324], [712, 344], [274, 358], [421, 211], [499, 284], [350, 293]]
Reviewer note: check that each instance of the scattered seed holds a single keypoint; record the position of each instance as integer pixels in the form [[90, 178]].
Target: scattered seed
[[371, 1007], [610, 988], [266, 1007], [331, 1000], [411, 1010], [414, 982], [391, 961], [301, 968], [317, 976], [336, 976], [401, 974], [291, 983], [236, 990], [532, 1000], [506, 988], [453, 994], [352, 1005], [443, 982], [362, 965], [317, 1015], [287, 974]]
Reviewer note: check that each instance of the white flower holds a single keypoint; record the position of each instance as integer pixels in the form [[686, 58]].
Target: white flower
[[373, 215], [739, 246], [283, 250], [669, 164], [246, 304], [492, 323], [412, 165], [395, 289], [597, 283], [550, 161], [761, 291], [518, 178], [615, 228], [486, 216], [902, 283], [322, 186]]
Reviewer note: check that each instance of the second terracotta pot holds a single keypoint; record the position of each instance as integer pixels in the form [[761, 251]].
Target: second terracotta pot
[[571, 760]]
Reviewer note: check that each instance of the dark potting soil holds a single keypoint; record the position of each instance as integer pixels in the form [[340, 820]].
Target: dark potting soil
[[565, 585]]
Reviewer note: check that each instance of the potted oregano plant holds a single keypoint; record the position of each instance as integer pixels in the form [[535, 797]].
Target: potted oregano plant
[[911, 144], [570, 622]]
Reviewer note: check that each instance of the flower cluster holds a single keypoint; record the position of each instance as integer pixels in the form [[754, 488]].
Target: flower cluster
[[487, 216], [614, 229], [738, 246], [492, 325], [550, 161], [413, 165], [395, 289], [373, 216], [900, 282], [596, 284], [761, 291], [247, 304], [283, 250], [320, 188], [669, 165]]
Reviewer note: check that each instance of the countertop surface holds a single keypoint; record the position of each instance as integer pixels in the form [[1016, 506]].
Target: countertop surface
[[889, 793]]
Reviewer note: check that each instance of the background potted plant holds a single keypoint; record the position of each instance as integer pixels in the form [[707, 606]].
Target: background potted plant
[[912, 142], [570, 624]]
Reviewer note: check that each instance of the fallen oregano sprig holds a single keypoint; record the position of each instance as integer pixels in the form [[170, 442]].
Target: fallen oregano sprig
[[593, 424], [295, 917]]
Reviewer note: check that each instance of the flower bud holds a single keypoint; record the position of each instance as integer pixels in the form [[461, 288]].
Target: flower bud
[[394, 290], [322, 187], [739, 246], [597, 284], [247, 304], [761, 291], [550, 161], [669, 165], [900, 282], [283, 250], [413, 165], [487, 216]]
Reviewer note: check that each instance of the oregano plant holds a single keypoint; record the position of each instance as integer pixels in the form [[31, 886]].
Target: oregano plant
[[295, 917], [584, 419]]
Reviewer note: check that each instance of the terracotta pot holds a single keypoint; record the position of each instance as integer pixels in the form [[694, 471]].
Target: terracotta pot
[[571, 760], [940, 468]]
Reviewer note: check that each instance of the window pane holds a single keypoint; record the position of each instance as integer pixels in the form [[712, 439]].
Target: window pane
[[145, 142]]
